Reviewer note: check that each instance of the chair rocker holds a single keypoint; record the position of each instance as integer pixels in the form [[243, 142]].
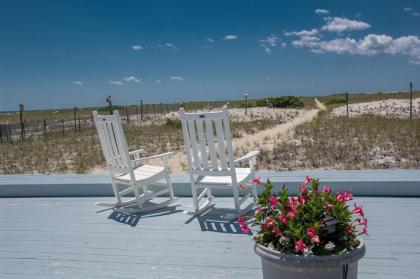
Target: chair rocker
[[130, 171], [208, 144]]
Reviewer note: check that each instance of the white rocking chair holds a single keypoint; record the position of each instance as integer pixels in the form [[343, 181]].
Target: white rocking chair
[[208, 144], [129, 169]]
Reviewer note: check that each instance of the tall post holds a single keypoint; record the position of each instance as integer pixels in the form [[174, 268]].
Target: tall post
[[22, 125], [141, 109], [74, 118], [126, 114], [109, 101], [137, 113], [411, 100], [246, 103], [347, 103], [45, 128]]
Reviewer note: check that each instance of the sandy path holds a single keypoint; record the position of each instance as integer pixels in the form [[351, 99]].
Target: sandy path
[[264, 139], [267, 138]]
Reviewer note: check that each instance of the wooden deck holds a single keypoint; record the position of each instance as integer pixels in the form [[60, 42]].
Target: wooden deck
[[68, 238]]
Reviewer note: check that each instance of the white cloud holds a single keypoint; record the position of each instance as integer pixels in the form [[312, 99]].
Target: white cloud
[[311, 32], [408, 9], [268, 43], [171, 45], [176, 78], [137, 47], [283, 44], [341, 24], [371, 44], [416, 14], [116, 82], [210, 40], [322, 11], [230, 37], [77, 82], [157, 81], [131, 78]]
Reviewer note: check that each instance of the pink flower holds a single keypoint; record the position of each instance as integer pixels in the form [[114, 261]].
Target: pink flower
[[326, 189], [292, 213], [259, 211], [364, 231], [300, 246], [269, 221], [349, 229], [245, 228], [256, 181], [344, 197], [363, 222], [292, 202], [273, 201], [308, 180], [313, 235], [358, 210], [348, 195], [283, 218], [277, 231], [242, 220], [303, 189], [329, 206], [303, 199]]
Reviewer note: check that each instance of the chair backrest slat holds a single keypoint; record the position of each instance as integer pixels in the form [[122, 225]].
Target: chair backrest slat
[[193, 142], [208, 141], [221, 144], [202, 142], [113, 142]]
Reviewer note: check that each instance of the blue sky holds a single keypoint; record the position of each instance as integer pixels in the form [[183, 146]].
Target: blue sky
[[74, 53]]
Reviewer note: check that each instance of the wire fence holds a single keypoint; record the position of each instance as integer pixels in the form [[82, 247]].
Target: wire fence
[[12, 131]]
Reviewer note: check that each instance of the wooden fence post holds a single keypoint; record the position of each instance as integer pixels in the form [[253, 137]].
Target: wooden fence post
[[137, 113], [347, 103], [74, 118], [22, 125], [78, 120], [62, 124], [126, 114], [141, 109], [45, 128], [411, 100]]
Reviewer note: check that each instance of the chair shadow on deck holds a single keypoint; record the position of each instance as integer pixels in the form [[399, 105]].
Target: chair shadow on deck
[[132, 219], [219, 220]]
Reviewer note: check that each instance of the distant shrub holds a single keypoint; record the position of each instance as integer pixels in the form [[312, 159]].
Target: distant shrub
[[281, 102], [173, 123], [336, 101]]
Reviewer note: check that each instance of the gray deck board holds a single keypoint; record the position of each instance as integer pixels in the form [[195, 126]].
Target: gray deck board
[[69, 238]]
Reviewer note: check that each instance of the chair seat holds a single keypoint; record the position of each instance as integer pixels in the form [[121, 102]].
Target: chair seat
[[243, 175], [143, 173]]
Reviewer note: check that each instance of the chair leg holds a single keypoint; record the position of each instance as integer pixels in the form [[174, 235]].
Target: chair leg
[[169, 185], [116, 192], [236, 198], [194, 196]]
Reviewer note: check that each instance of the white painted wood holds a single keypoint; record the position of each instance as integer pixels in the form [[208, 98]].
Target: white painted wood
[[218, 148], [134, 175]]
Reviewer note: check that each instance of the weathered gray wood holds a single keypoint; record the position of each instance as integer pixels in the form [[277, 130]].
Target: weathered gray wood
[[397, 182], [68, 238]]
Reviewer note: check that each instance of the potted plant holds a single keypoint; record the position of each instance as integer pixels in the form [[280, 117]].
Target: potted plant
[[313, 235]]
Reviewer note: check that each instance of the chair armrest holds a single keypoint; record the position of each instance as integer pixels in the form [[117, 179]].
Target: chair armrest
[[250, 155], [136, 154], [162, 156]]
